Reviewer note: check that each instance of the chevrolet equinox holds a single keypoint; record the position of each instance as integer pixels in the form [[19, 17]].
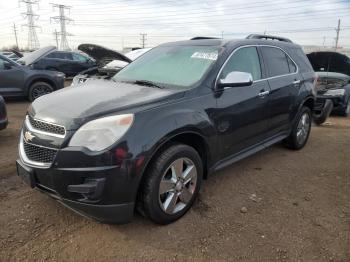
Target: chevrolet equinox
[[147, 138]]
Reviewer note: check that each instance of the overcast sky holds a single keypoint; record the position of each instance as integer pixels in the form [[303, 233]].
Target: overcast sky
[[118, 23]]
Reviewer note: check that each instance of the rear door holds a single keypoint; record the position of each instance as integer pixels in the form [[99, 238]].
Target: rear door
[[241, 116], [285, 82]]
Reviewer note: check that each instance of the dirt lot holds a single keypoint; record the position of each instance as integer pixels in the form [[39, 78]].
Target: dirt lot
[[300, 211]]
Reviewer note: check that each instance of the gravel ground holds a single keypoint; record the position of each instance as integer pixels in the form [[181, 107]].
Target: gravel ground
[[278, 205]]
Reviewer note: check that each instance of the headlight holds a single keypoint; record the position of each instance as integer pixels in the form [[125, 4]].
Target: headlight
[[101, 133], [335, 92]]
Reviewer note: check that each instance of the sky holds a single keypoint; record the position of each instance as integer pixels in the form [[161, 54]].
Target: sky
[[118, 23]]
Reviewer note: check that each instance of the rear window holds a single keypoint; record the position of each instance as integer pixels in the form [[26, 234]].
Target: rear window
[[276, 60], [60, 55]]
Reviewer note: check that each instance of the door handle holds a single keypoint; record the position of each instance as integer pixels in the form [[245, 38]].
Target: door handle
[[296, 82], [264, 93]]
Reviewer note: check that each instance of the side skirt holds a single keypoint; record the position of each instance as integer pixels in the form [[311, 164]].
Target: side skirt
[[248, 152]]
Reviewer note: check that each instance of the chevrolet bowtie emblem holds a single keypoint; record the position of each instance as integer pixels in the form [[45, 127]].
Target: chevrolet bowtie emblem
[[28, 136]]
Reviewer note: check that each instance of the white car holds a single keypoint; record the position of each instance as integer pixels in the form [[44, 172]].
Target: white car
[[109, 62]]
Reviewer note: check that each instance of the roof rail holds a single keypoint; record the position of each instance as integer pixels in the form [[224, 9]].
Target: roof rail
[[267, 37], [203, 37]]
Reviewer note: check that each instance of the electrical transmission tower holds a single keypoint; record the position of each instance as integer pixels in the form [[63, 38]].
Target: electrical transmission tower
[[337, 30], [33, 42], [63, 20], [143, 40]]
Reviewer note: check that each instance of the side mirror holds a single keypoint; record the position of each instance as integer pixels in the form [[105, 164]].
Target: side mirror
[[235, 79]]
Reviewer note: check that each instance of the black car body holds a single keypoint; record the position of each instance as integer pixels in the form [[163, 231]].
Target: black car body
[[333, 70], [69, 63], [187, 115], [3, 114], [23, 80]]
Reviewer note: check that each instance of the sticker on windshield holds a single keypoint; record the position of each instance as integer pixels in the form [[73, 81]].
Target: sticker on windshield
[[205, 55]]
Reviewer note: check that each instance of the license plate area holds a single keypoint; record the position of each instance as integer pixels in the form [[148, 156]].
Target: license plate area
[[26, 173]]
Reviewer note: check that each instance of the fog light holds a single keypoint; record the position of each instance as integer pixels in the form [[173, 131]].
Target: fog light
[[91, 189]]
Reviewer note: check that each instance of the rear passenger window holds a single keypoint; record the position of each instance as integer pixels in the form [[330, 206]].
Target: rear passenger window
[[276, 61], [245, 60], [292, 66]]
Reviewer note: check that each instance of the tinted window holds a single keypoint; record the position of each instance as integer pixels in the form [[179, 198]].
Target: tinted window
[[79, 58], [292, 66], [319, 61], [276, 61], [243, 60], [60, 55]]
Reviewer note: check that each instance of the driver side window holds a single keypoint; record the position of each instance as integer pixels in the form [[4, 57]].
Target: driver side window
[[245, 60]]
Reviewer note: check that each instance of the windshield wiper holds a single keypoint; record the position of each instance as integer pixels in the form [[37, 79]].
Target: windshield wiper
[[147, 83]]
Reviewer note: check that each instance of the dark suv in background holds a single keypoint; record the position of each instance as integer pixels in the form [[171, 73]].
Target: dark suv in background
[[169, 119], [69, 63]]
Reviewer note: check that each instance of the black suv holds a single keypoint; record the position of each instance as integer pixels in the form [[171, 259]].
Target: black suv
[[178, 113], [69, 63]]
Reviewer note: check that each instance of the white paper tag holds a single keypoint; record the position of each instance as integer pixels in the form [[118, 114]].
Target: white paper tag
[[205, 55]]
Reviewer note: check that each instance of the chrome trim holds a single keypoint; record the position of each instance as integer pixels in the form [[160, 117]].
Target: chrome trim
[[264, 93], [26, 160], [296, 82], [263, 79], [31, 128]]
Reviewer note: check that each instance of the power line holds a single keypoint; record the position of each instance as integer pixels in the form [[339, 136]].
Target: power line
[[62, 19], [33, 42], [337, 37], [143, 40], [15, 31]]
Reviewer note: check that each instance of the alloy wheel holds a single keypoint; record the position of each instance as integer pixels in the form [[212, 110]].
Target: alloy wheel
[[303, 128], [177, 185], [39, 91]]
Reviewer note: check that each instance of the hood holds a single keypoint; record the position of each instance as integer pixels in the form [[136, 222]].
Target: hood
[[101, 54], [73, 106], [35, 56]]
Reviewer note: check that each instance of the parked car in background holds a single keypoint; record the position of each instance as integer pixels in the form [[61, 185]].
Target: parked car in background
[[335, 87], [23, 80], [178, 113], [109, 62], [69, 63], [3, 114], [333, 84]]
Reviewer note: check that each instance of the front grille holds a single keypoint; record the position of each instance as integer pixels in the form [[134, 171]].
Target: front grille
[[46, 127], [39, 154]]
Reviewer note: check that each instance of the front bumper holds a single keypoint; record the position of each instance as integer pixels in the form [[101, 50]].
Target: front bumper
[[114, 204]]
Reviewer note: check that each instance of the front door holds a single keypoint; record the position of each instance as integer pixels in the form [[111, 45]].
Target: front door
[[241, 116], [11, 78]]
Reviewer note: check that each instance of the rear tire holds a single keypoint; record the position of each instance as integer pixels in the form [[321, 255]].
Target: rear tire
[[39, 89], [171, 184], [300, 130]]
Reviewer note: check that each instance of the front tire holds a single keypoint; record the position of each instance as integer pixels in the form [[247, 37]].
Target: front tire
[[301, 130], [171, 184], [346, 111], [39, 89]]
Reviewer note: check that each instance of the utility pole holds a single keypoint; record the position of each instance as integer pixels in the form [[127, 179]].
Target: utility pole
[[143, 40], [33, 42], [56, 37], [337, 37], [15, 31], [222, 34], [62, 19], [324, 41]]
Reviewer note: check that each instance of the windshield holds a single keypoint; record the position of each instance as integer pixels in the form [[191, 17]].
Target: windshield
[[180, 66]]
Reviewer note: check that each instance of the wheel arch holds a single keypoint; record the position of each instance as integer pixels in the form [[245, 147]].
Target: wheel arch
[[31, 81]]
